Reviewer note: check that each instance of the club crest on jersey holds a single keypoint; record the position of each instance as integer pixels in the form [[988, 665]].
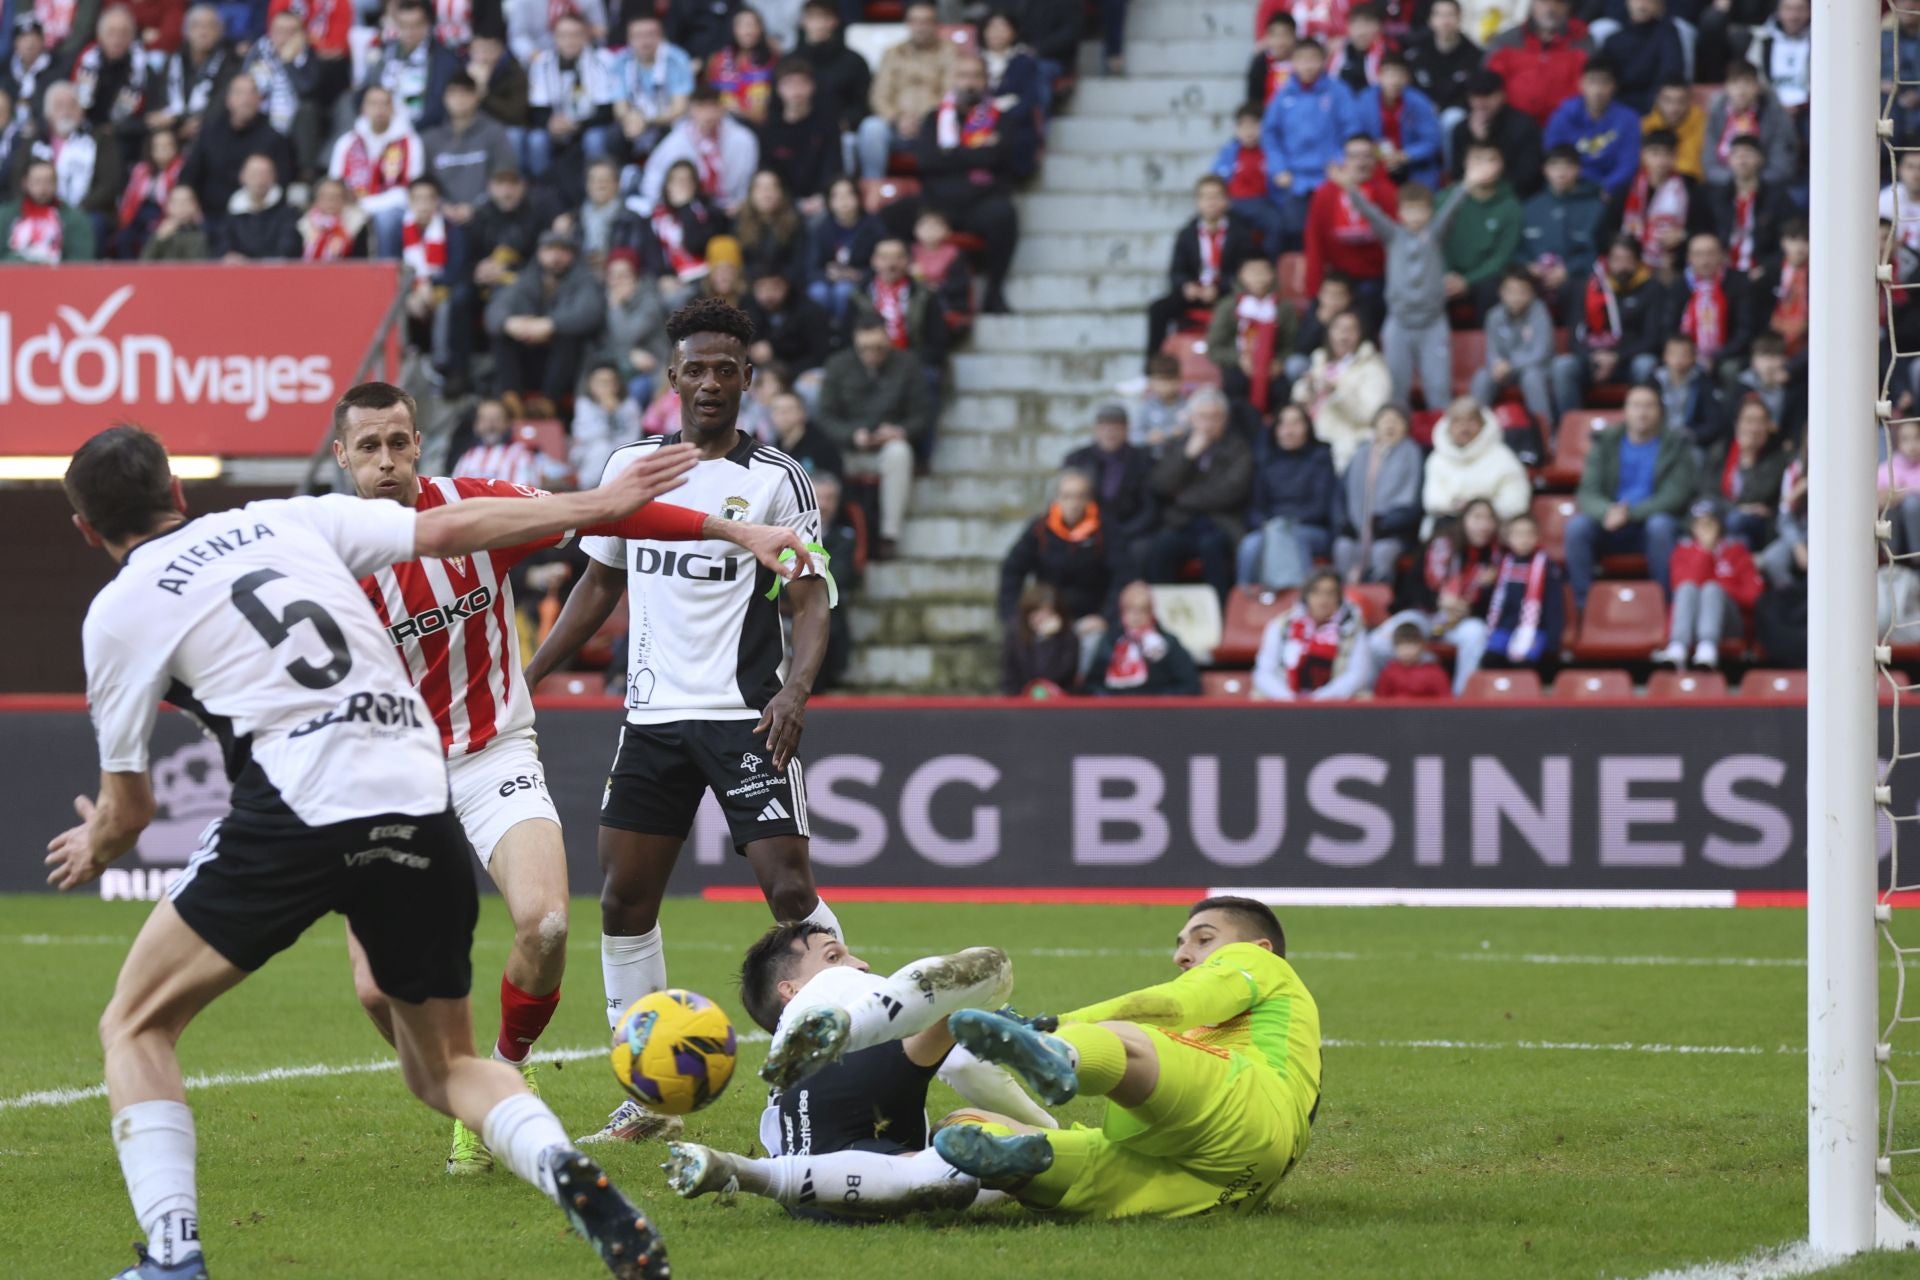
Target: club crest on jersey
[[459, 563], [734, 509]]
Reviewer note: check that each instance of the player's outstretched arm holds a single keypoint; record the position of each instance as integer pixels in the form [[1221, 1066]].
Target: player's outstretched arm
[[107, 830], [481, 524], [1224, 986], [592, 601]]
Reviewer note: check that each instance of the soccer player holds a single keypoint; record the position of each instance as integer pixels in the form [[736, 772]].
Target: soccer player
[[252, 621], [707, 707], [452, 621], [851, 1139]]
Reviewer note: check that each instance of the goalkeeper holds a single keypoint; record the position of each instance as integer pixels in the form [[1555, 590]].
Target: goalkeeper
[[1213, 1080]]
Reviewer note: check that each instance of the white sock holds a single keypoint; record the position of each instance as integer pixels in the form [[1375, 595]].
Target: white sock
[[823, 916], [859, 1182], [993, 1088], [156, 1145], [631, 968], [521, 1129], [927, 991]]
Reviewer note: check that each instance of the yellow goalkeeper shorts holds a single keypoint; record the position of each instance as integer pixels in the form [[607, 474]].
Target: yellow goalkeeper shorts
[[1220, 1132]]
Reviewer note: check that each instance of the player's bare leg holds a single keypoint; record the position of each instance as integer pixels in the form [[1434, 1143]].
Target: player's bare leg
[[635, 867], [435, 1042], [784, 868], [169, 976]]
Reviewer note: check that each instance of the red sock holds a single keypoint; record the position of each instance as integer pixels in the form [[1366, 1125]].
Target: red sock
[[522, 1019]]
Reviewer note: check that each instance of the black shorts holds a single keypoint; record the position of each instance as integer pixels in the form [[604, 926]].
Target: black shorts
[[405, 884], [661, 771]]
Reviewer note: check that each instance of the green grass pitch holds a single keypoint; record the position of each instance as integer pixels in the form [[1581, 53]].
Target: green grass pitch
[[1496, 1104]]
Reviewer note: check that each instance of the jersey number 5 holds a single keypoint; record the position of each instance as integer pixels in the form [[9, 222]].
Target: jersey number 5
[[275, 628]]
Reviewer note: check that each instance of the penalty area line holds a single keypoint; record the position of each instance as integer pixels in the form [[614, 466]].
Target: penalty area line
[[1799, 1259]]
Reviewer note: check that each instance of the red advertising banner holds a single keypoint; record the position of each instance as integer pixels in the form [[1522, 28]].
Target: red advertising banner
[[216, 359]]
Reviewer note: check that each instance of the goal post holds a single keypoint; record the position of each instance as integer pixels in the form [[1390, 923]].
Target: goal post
[[1843, 1112]]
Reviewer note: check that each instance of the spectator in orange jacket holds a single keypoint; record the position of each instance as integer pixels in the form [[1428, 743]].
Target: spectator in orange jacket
[[1707, 573]]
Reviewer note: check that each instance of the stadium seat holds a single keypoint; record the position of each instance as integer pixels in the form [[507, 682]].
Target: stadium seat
[[1469, 353], [1248, 612], [572, 684], [878, 193], [1678, 686], [1551, 511], [1373, 599], [1571, 440], [886, 10], [1501, 686], [1624, 622], [1791, 685], [1575, 686], [1195, 369], [1236, 685], [549, 437], [1291, 270], [1192, 613], [1421, 426]]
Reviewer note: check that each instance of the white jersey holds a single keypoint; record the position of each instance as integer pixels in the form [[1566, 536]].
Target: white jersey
[[704, 639], [252, 622]]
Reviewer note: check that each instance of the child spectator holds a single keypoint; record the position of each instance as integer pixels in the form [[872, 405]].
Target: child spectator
[[1154, 415], [180, 235], [938, 265], [1448, 596], [1674, 112], [1344, 387], [1519, 348], [1527, 606], [1272, 64], [1334, 297], [1251, 331], [1379, 510], [1484, 237], [1315, 651], [1302, 133], [1207, 254], [842, 246], [1338, 236], [1899, 487], [1787, 287], [1744, 475], [1662, 207], [1361, 54], [1708, 572], [1688, 394], [1136, 658], [1415, 334], [1471, 462], [1404, 122], [1242, 165], [1290, 516], [1618, 328], [1747, 212], [1038, 648], [1770, 377], [1605, 132], [1562, 234], [1413, 672]]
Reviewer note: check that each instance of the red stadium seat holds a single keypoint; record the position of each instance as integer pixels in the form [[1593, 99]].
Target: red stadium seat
[[1678, 686], [549, 437], [1551, 511], [1292, 271], [1575, 686], [968, 243], [1571, 440], [1422, 425], [1248, 612], [886, 10], [1624, 622], [1373, 599], [1196, 370], [1501, 686], [572, 684], [878, 193], [1236, 685], [1469, 354], [1789, 685]]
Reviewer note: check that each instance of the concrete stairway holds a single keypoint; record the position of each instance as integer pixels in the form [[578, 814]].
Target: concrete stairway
[[1095, 234]]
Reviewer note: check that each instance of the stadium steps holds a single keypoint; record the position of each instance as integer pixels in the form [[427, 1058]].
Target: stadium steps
[[1097, 228]]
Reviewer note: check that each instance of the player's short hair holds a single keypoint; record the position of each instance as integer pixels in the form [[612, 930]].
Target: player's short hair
[[768, 963], [120, 482], [1256, 918], [373, 395], [709, 315]]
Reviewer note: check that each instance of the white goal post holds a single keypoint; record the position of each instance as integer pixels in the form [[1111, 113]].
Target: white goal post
[[1846, 1159]]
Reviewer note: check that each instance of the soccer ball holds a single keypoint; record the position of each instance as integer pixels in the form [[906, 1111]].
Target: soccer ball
[[673, 1051]]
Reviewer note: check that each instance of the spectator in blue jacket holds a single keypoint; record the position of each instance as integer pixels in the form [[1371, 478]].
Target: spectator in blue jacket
[[1404, 122], [1293, 479], [1604, 132], [1646, 53], [1562, 236], [1305, 130]]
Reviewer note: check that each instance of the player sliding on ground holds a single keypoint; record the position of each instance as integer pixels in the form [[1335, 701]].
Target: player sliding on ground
[[851, 1139], [1209, 1118], [452, 621], [252, 622]]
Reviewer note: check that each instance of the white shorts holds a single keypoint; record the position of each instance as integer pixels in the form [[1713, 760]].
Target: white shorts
[[498, 787]]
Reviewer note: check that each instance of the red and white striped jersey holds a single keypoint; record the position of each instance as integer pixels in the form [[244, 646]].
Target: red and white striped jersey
[[452, 621], [510, 461]]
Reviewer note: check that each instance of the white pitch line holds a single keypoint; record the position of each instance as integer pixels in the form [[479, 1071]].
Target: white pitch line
[[1800, 1259]]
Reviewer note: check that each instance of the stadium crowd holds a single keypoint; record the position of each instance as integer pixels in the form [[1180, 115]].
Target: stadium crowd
[[1485, 345]]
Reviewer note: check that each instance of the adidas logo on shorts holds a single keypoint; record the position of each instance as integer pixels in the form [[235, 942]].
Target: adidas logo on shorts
[[774, 812]]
